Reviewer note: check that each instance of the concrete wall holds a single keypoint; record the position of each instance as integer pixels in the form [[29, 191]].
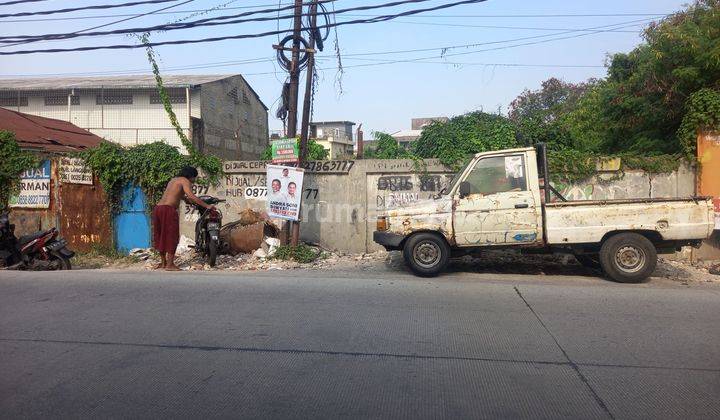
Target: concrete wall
[[341, 199]]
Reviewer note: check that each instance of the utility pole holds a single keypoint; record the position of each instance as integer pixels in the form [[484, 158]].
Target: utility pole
[[295, 71], [307, 104]]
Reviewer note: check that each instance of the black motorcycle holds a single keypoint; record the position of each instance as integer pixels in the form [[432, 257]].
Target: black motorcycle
[[43, 250], [207, 229]]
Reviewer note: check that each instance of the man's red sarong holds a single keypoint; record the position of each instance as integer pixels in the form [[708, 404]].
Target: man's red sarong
[[166, 228]]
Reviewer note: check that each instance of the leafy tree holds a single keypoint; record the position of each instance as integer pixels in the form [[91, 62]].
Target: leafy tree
[[645, 96], [453, 141], [13, 163], [315, 151], [386, 147], [538, 114]]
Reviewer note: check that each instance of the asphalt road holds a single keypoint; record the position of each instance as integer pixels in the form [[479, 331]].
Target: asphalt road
[[307, 344]]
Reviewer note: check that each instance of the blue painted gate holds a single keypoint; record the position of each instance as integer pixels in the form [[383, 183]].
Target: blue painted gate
[[132, 224]]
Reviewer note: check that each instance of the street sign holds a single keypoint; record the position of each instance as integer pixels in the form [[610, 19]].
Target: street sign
[[285, 151]]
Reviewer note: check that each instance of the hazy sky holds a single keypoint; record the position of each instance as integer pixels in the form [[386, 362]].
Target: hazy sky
[[382, 97]]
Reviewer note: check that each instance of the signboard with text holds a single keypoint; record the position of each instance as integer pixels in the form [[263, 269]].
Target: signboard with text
[[284, 192], [285, 151], [34, 188], [75, 171]]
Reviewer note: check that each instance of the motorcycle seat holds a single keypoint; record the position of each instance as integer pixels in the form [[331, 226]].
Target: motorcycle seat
[[27, 238]]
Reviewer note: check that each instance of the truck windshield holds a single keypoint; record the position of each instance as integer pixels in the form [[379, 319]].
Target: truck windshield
[[456, 180]]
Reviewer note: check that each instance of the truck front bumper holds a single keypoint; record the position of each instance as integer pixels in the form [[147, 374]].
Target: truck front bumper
[[391, 241]]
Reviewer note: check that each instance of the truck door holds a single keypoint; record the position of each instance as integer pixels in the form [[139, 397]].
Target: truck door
[[500, 209]]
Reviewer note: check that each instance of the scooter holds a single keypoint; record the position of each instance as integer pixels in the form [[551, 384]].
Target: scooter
[[207, 229], [43, 250]]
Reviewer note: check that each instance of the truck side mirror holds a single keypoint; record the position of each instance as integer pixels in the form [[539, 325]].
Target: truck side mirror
[[464, 189]]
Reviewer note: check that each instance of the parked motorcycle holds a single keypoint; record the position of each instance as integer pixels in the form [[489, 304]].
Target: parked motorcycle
[[43, 250], [207, 229]]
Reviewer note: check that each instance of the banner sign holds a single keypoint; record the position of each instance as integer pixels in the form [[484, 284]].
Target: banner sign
[[284, 191], [74, 171], [285, 151], [34, 188]]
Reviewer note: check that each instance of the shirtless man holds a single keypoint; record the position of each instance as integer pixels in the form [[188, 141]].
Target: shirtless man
[[165, 218]]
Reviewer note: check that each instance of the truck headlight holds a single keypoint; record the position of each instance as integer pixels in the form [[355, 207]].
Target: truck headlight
[[382, 223]]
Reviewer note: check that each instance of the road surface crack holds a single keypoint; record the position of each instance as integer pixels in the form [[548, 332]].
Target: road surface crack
[[570, 362]]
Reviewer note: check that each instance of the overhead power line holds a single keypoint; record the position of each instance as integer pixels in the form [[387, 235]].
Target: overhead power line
[[356, 56], [256, 35], [522, 28], [169, 26], [175, 12], [108, 24], [75, 9], [585, 31], [8, 3]]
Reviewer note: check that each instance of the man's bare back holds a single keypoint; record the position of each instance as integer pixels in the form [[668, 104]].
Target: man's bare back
[[177, 189]]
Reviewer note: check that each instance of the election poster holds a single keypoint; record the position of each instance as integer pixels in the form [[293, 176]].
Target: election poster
[[34, 188], [285, 151], [74, 171], [285, 190]]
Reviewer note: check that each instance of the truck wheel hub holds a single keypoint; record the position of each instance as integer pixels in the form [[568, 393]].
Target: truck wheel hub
[[427, 254], [630, 259]]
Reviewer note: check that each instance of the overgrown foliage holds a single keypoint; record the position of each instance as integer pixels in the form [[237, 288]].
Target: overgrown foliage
[[301, 253], [652, 102], [575, 166], [702, 112], [315, 151], [386, 147], [149, 166], [453, 141], [13, 163]]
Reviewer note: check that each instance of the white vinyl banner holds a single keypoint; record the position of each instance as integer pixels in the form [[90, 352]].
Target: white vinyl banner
[[284, 191], [34, 188]]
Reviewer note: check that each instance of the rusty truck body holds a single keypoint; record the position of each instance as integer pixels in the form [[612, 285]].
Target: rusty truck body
[[499, 200]]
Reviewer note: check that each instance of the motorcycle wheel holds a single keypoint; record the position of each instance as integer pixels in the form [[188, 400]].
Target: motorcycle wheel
[[65, 264], [62, 263], [212, 252]]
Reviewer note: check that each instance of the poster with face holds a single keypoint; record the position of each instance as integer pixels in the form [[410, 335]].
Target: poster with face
[[284, 191]]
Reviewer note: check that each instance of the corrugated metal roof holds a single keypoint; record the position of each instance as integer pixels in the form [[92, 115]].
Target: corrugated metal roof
[[46, 134], [143, 81]]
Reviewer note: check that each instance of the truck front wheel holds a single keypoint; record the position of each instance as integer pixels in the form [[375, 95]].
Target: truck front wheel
[[628, 258], [426, 254]]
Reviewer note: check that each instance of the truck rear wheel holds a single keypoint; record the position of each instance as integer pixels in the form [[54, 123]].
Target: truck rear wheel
[[628, 258], [426, 254]]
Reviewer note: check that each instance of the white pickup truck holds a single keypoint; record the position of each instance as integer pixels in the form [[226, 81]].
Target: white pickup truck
[[498, 201]]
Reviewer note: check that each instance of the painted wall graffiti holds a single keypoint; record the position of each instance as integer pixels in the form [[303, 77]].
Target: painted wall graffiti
[[393, 191]]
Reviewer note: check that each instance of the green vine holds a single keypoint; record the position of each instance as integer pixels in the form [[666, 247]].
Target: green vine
[[13, 163], [702, 112], [211, 165]]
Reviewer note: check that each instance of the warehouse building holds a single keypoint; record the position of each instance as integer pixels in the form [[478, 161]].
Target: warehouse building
[[221, 114]]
